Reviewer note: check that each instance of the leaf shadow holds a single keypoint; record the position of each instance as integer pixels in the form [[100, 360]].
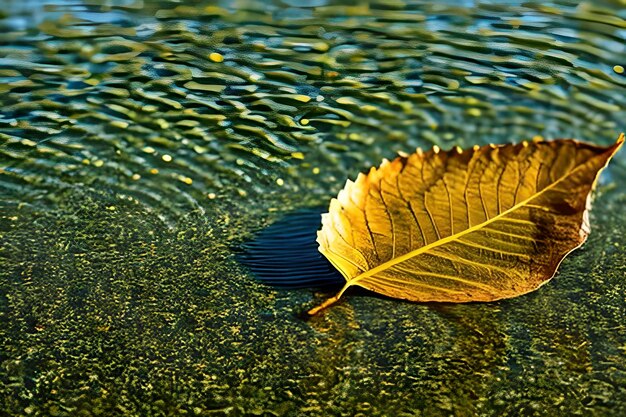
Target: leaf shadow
[[284, 254]]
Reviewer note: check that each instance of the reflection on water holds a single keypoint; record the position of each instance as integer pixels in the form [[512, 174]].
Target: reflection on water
[[140, 142]]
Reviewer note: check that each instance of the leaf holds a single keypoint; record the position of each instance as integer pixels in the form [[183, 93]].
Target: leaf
[[482, 224]]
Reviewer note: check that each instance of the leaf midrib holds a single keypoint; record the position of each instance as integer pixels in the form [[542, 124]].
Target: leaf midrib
[[392, 262]]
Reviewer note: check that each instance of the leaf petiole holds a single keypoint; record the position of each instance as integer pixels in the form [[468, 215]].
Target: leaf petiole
[[327, 303]]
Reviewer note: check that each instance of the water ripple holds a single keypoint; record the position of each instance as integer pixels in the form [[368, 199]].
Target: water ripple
[[171, 103]]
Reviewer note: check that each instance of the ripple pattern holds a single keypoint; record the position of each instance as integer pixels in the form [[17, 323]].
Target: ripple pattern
[[170, 104]]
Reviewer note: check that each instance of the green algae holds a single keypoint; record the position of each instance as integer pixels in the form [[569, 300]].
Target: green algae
[[132, 166], [107, 310]]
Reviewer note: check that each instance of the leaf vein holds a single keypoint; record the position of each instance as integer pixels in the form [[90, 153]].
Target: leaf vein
[[385, 281], [479, 246], [450, 278]]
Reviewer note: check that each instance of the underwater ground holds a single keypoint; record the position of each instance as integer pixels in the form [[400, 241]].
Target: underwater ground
[[143, 142]]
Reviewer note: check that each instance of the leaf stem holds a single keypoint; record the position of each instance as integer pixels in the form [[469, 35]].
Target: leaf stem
[[327, 303]]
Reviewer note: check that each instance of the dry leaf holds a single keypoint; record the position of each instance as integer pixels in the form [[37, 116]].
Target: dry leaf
[[482, 224]]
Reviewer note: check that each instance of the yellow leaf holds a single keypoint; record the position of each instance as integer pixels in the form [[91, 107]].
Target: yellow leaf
[[481, 224]]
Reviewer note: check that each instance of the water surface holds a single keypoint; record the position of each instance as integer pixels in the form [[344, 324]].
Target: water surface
[[142, 142]]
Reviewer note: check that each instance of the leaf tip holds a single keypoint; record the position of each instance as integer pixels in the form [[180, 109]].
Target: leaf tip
[[618, 144]]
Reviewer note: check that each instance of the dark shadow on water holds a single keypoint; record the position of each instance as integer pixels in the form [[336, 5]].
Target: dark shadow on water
[[285, 255]]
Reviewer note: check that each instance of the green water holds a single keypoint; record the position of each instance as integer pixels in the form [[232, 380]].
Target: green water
[[133, 163]]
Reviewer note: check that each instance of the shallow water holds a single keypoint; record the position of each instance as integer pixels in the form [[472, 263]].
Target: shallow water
[[142, 142]]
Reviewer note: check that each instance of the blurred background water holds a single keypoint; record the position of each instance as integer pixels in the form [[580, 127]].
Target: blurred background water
[[141, 142]]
